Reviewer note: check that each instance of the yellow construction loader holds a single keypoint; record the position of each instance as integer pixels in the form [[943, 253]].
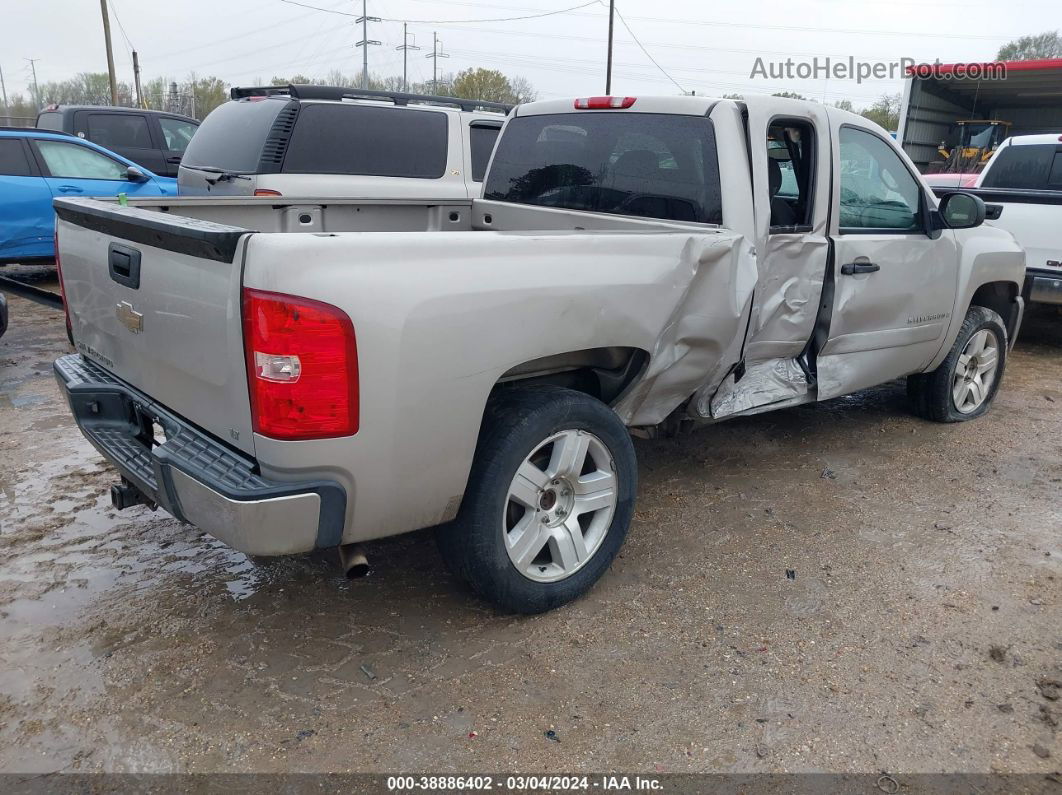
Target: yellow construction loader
[[975, 142]]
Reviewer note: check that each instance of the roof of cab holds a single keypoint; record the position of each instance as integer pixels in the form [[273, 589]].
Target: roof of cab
[[113, 109], [683, 105], [1034, 140]]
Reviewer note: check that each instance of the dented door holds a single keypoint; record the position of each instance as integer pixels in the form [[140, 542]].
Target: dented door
[[894, 279]]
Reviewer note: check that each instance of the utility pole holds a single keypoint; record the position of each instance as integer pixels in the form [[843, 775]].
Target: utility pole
[[110, 55], [406, 46], [36, 89], [608, 67], [3, 88], [436, 54], [364, 20], [136, 81]]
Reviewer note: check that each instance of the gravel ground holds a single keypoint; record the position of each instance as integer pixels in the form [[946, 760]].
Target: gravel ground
[[839, 587]]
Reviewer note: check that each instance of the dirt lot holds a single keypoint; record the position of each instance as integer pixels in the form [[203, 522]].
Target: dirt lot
[[923, 611]]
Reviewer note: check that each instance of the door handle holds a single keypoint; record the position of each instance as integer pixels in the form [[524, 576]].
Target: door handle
[[70, 189], [175, 159], [851, 268]]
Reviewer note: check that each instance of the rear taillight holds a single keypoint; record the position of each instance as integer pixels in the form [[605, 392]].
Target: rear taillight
[[302, 367], [62, 289], [267, 192], [604, 103]]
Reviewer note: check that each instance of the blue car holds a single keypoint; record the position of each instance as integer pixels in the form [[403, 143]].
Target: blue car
[[37, 166]]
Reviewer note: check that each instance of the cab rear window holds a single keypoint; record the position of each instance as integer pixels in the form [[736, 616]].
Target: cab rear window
[[367, 141], [641, 164]]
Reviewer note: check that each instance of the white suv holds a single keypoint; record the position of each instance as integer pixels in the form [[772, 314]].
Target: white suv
[[325, 141]]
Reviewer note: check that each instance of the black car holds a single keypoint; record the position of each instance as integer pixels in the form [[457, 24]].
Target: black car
[[154, 139]]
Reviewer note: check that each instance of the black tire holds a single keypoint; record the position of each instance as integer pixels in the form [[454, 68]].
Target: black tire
[[931, 393], [516, 422]]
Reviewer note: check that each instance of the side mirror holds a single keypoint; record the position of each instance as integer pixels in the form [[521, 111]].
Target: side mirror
[[961, 210], [134, 174]]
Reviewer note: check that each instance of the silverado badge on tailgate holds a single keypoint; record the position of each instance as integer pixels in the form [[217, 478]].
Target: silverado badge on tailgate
[[129, 317]]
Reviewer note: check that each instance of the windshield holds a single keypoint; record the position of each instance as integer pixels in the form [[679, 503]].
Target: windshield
[[641, 164], [979, 135]]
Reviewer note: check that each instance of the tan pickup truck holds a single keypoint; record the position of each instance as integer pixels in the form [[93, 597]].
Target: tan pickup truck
[[290, 373]]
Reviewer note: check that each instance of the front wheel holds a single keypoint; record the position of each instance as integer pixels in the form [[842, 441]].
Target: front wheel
[[966, 382], [549, 499]]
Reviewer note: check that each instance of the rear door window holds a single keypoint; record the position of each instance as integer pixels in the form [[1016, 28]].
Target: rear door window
[[481, 141], [13, 161], [177, 133], [1025, 166], [641, 164], [368, 141], [119, 130]]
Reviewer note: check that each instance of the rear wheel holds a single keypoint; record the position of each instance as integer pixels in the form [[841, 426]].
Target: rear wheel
[[965, 384], [549, 500]]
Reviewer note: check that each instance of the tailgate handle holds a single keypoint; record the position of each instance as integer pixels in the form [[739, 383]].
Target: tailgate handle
[[124, 264]]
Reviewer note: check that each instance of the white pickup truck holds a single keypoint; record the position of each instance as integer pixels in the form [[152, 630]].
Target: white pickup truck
[[290, 374], [1022, 189]]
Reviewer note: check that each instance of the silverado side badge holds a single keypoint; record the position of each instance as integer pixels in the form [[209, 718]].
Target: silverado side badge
[[129, 317]]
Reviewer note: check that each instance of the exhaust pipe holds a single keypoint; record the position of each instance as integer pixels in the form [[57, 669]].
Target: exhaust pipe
[[352, 559]]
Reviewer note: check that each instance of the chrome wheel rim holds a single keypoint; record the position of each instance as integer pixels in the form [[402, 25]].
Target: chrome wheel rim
[[560, 506], [975, 372]]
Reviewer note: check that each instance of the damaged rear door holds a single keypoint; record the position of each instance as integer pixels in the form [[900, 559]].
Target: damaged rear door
[[894, 277], [789, 145]]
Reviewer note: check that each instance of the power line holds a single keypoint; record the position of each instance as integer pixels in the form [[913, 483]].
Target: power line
[[659, 45], [121, 27], [641, 46], [318, 8], [565, 66], [405, 48], [448, 21], [365, 42], [36, 89], [226, 39], [435, 55], [796, 28]]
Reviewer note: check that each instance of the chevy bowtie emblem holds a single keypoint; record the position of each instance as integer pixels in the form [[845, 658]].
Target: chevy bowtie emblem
[[129, 317]]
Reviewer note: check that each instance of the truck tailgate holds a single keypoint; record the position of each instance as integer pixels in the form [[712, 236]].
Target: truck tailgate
[[155, 299]]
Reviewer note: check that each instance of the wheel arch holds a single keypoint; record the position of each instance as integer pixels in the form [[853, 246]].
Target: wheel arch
[[604, 373], [1002, 297]]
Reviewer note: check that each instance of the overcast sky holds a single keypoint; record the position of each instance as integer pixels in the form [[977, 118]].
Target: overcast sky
[[710, 47]]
